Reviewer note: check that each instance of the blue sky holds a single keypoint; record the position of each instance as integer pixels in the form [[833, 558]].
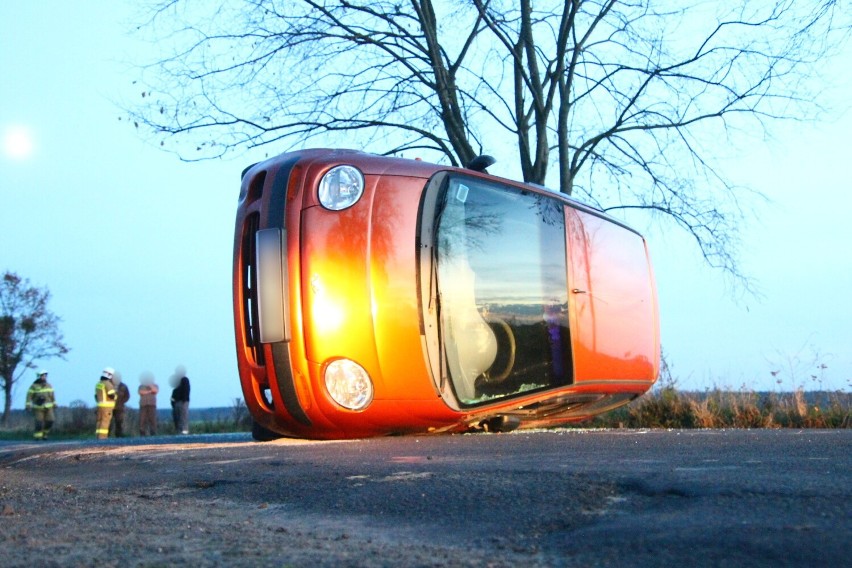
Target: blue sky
[[136, 245]]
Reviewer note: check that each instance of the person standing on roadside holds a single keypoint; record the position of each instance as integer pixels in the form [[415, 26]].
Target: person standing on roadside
[[105, 396], [180, 400], [148, 390], [122, 395], [40, 401]]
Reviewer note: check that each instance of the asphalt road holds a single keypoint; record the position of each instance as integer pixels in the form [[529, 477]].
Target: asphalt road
[[555, 498]]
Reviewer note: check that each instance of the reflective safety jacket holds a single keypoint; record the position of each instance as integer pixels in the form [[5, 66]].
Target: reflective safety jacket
[[40, 395], [105, 394]]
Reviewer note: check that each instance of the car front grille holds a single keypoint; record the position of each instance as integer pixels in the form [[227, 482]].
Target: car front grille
[[250, 289]]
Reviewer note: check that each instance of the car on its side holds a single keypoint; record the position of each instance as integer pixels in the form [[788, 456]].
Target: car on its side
[[379, 296]]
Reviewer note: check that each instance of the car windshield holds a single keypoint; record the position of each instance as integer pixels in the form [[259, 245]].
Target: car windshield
[[502, 290]]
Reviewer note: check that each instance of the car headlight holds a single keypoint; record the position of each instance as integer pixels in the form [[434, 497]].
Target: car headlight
[[348, 384], [341, 187]]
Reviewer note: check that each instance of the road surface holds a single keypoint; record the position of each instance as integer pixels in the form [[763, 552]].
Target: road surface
[[551, 498]]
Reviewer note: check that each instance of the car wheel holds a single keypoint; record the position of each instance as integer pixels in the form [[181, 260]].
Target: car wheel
[[501, 423], [263, 434]]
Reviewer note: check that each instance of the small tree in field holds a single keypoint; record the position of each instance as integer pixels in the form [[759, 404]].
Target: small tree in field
[[28, 332]]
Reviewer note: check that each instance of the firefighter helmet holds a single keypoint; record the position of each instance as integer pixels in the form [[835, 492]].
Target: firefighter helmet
[[41, 373], [108, 372]]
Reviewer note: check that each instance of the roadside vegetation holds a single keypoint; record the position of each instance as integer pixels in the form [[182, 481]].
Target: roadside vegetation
[[77, 421], [665, 406]]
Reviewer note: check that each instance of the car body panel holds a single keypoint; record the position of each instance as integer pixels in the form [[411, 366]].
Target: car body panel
[[614, 308]]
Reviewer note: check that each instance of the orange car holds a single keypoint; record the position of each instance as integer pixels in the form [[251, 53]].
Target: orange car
[[377, 296]]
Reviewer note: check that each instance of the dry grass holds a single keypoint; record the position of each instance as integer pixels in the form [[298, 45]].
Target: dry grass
[[666, 407]]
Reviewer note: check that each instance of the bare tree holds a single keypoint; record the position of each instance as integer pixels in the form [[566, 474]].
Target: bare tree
[[29, 332], [629, 103]]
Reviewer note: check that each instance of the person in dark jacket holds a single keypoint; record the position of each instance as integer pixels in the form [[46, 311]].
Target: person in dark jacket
[[122, 395], [180, 400]]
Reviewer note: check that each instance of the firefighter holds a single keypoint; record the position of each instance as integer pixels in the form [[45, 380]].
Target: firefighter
[[40, 401], [105, 398]]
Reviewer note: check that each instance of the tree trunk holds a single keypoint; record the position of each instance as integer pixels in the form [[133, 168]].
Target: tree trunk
[[566, 178], [445, 87], [7, 406]]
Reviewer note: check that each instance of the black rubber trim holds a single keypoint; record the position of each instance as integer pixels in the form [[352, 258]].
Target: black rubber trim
[[275, 203], [286, 386]]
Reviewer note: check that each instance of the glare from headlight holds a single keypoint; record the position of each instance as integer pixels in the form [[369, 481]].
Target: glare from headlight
[[348, 384], [341, 187]]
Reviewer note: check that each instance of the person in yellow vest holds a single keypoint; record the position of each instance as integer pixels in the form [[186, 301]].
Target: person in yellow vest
[[40, 401], [105, 399]]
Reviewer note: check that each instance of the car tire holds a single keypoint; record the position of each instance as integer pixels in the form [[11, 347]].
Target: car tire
[[262, 434], [502, 423]]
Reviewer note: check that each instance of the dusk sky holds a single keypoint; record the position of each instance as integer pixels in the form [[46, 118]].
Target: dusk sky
[[135, 245]]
